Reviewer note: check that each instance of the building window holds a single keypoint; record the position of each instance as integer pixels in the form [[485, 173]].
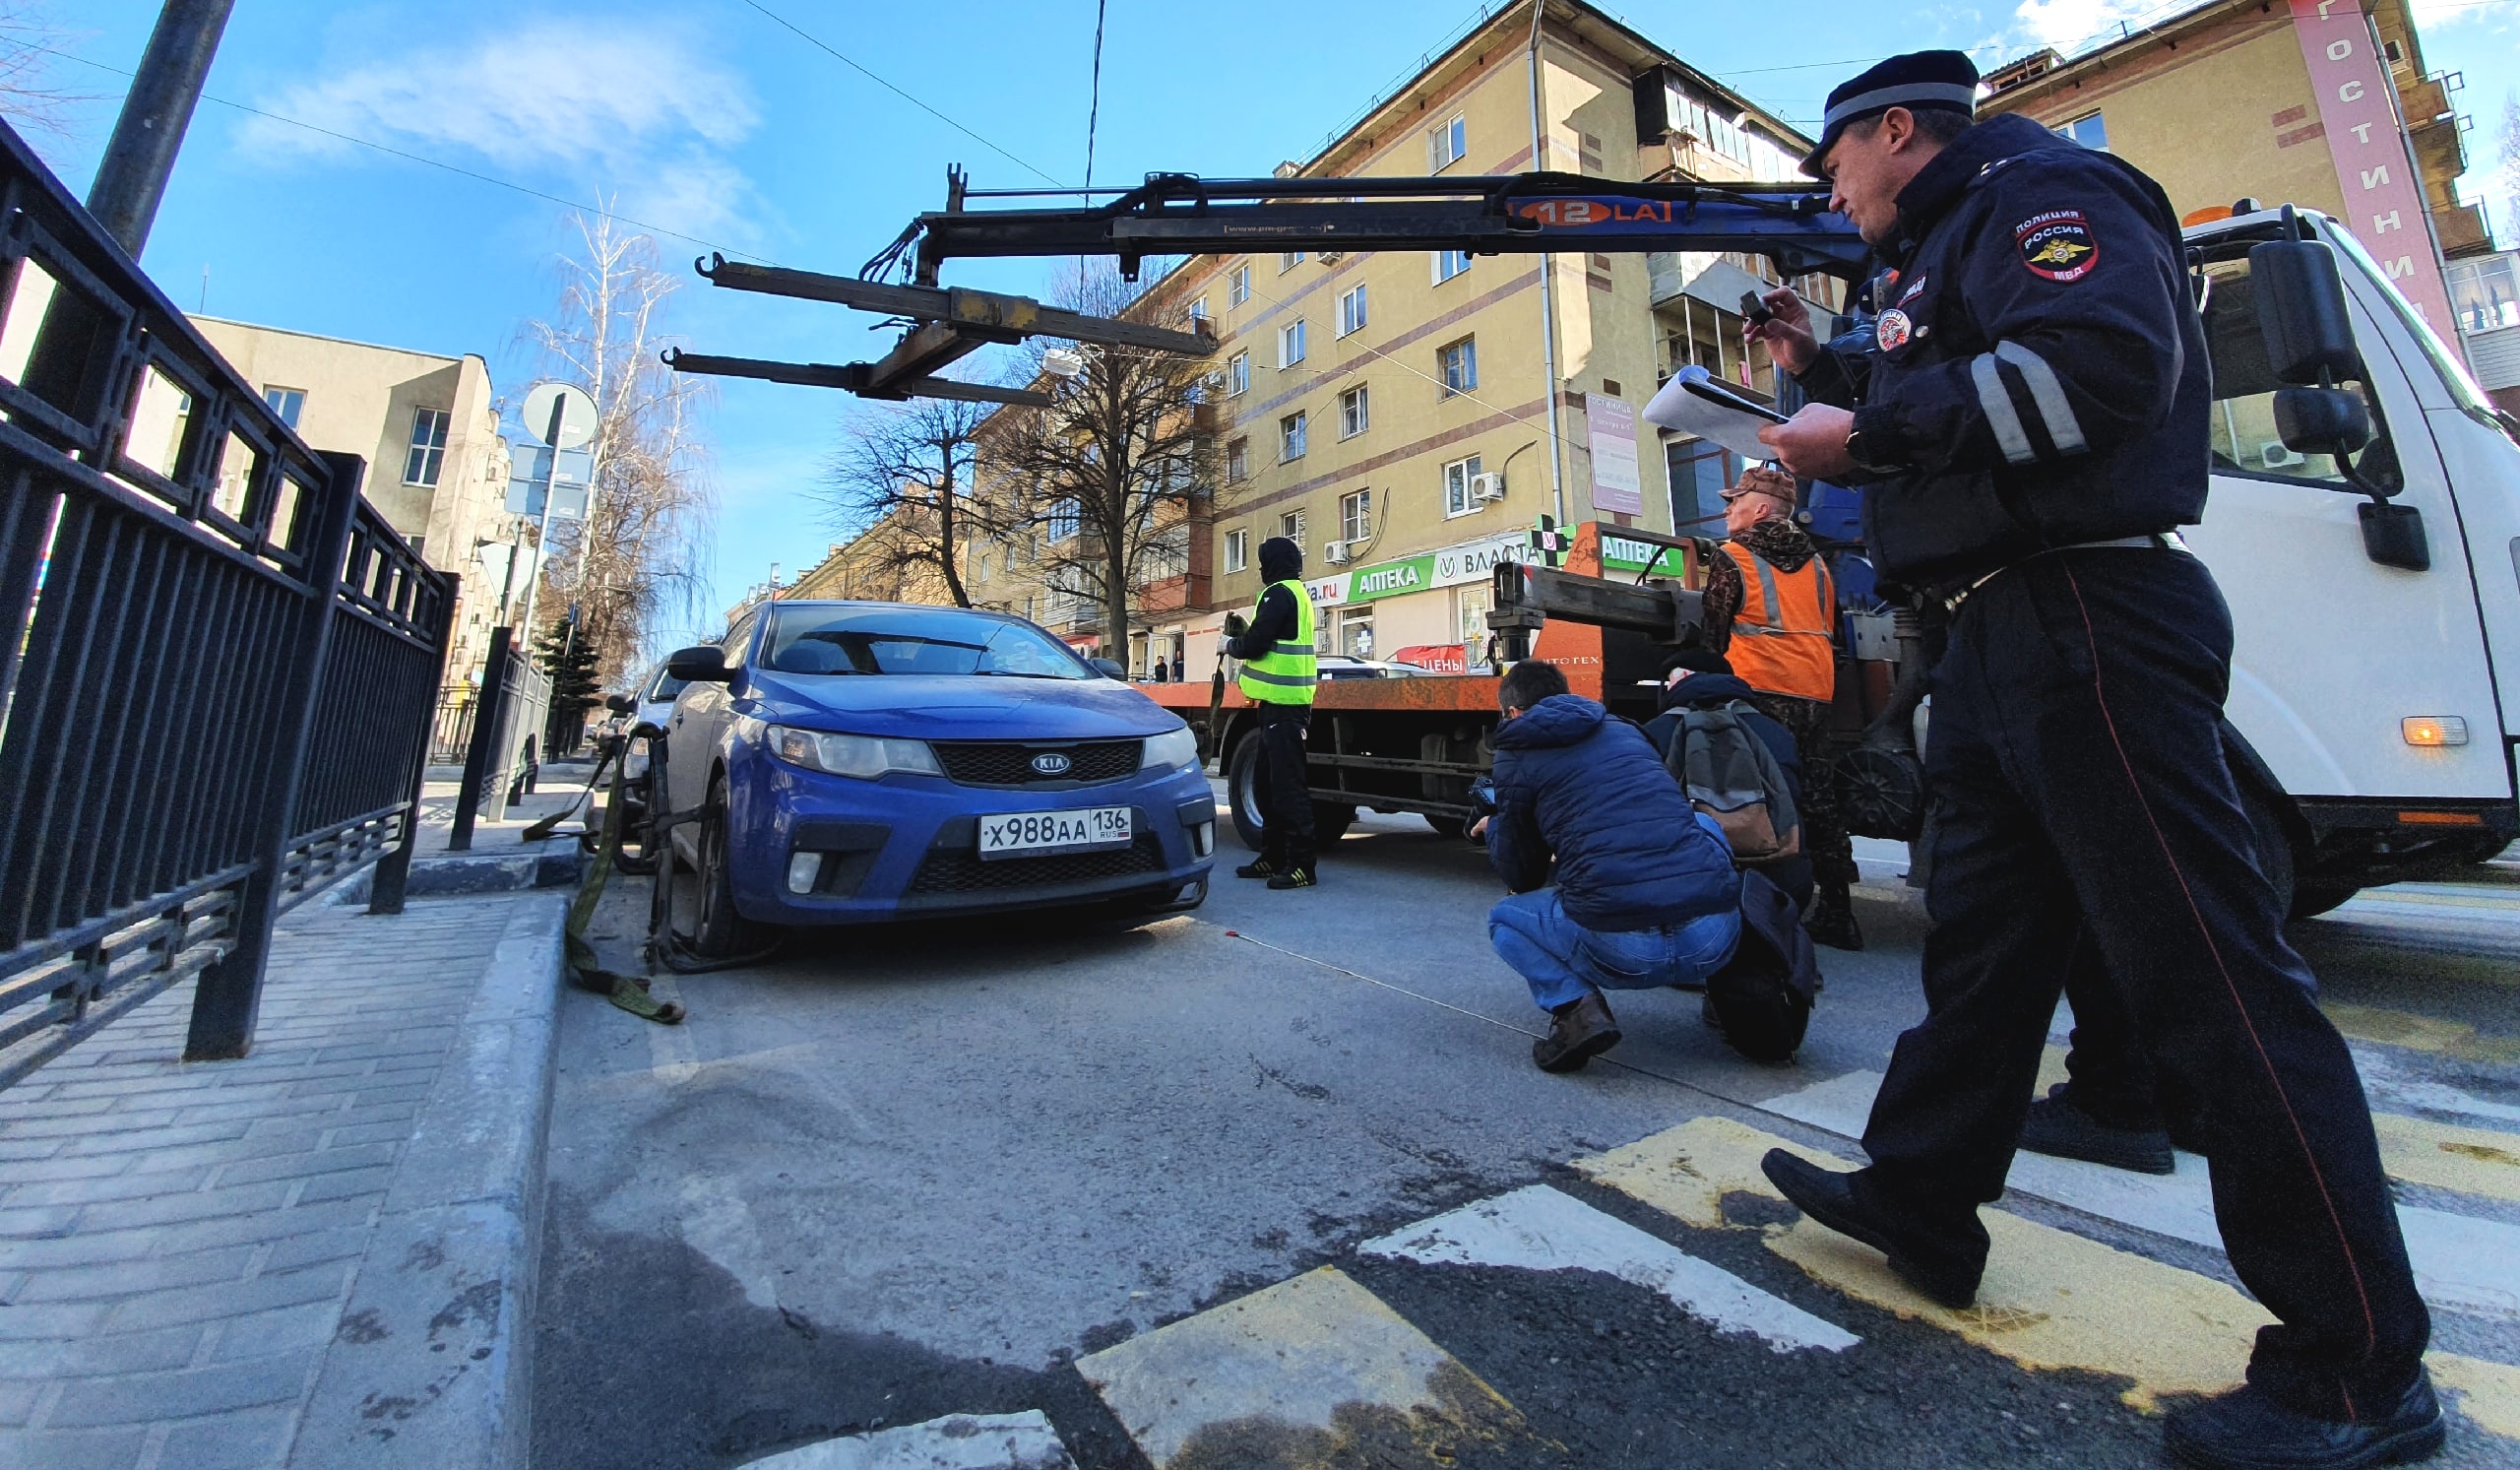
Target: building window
[[1459, 362], [1237, 550], [1450, 263], [2089, 131], [1290, 526], [1199, 309], [1287, 260], [1446, 144], [1291, 343], [1458, 475], [1238, 461], [1356, 516], [1588, 152], [1355, 416], [1238, 287], [288, 403], [1237, 375], [1066, 520], [1700, 471], [1352, 310], [428, 446], [984, 568], [1291, 437]]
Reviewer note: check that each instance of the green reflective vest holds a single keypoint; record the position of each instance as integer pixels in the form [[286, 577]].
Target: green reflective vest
[[1286, 673]]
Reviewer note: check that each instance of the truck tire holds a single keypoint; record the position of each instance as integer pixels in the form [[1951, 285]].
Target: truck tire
[[1329, 822], [1452, 827]]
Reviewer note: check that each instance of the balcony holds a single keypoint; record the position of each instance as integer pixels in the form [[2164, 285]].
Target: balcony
[[2440, 151], [2462, 232]]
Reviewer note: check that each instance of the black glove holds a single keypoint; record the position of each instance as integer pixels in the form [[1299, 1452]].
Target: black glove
[[1483, 804], [1234, 626]]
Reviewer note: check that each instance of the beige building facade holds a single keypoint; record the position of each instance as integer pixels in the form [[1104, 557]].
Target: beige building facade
[[1409, 416], [428, 428]]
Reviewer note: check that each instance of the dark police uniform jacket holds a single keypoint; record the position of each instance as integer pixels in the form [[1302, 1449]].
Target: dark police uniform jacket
[[2037, 371]]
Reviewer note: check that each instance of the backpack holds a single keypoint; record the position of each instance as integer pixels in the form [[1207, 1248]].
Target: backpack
[[1729, 774], [1762, 998]]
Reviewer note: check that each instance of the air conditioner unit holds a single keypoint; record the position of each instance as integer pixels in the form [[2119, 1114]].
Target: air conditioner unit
[[1332, 257], [2274, 454], [1487, 487], [1334, 552]]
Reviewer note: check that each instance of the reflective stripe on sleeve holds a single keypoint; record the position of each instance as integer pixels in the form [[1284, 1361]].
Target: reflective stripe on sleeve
[[2049, 394], [1284, 680], [2010, 436]]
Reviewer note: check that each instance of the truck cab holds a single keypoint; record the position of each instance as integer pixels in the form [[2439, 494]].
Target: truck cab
[[2377, 691]]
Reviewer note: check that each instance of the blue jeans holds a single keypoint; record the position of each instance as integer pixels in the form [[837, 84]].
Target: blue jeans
[[1562, 960]]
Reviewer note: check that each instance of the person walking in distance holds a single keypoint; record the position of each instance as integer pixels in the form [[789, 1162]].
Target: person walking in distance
[[1784, 646], [1276, 651], [2029, 430]]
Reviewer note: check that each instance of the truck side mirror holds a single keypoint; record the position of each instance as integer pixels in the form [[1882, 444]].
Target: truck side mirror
[[2321, 420], [704, 664], [2393, 536], [2301, 311]]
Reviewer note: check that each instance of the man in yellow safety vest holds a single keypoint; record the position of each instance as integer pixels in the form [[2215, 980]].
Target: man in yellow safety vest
[[1275, 650]]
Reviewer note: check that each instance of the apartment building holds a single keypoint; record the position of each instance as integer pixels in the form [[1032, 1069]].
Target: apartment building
[[2311, 102], [869, 567], [428, 427], [2484, 296]]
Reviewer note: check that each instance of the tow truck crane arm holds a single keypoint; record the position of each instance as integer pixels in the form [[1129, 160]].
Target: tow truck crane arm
[[1179, 214]]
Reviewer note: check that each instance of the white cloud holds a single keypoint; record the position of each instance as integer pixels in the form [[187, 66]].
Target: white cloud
[[597, 104], [2066, 23]]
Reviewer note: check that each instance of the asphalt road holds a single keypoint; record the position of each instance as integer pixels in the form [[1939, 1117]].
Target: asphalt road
[[902, 1175]]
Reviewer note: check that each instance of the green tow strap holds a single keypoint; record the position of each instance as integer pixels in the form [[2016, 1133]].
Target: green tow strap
[[628, 991]]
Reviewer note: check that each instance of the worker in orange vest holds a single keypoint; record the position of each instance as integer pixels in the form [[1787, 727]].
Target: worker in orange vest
[[1775, 595]]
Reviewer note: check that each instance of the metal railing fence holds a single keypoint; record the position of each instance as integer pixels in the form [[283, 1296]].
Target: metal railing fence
[[216, 661]]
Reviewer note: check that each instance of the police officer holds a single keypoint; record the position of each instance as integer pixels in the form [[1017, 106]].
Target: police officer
[[1275, 650], [2030, 431], [1782, 610]]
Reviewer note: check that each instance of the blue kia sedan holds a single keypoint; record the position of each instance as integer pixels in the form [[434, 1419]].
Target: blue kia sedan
[[864, 762]]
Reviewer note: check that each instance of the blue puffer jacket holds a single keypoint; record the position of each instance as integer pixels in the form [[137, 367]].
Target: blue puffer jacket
[[1573, 783]]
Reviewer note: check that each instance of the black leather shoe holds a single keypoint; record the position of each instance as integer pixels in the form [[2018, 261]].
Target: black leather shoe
[[1831, 922], [1578, 1031], [2244, 1430], [2058, 1128], [1942, 1272], [1257, 868]]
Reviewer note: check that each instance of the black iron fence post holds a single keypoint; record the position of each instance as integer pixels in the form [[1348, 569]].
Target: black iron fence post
[[489, 714], [394, 869], [229, 993]]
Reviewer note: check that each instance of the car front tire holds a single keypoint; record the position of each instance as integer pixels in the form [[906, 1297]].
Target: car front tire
[[722, 931]]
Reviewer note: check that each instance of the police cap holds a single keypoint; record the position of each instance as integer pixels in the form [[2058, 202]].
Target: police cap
[[1917, 81]]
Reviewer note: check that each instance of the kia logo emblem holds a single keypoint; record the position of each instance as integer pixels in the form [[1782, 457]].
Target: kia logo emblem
[[1051, 763]]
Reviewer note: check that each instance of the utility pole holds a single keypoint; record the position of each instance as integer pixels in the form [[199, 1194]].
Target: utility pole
[[139, 156]]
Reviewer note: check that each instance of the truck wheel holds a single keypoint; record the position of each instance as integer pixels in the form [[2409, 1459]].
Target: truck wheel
[[1242, 789], [721, 930], [1330, 823], [1452, 827], [2317, 896]]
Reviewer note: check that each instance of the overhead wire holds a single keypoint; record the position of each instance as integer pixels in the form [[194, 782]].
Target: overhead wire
[[1093, 107]]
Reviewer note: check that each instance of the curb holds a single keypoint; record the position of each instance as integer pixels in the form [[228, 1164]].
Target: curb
[[557, 862], [431, 1365]]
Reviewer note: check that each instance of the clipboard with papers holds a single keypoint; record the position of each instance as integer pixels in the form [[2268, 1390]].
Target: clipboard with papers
[[1696, 402]]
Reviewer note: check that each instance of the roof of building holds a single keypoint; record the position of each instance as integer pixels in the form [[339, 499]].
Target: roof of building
[[378, 346]]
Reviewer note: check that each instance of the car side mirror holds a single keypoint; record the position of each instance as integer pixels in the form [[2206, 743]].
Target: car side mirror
[[2302, 314], [1111, 669], [620, 704], [2321, 420], [704, 664]]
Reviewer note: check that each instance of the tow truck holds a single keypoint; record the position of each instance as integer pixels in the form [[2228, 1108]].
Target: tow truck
[[2364, 520]]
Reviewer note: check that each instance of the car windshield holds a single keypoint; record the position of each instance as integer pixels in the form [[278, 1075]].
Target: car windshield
[[914, 640]]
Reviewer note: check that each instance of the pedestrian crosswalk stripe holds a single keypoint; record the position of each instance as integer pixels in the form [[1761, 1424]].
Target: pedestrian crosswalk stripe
[[1539, 1229], [2398, 1028], [959, 1441], [2488, 1393], [2461, 1262], [2467, 1161], [2050, 1300], [1312, 1371]]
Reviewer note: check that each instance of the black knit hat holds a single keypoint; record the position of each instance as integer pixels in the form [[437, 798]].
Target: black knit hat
[[1917, 81], [1696, 661]]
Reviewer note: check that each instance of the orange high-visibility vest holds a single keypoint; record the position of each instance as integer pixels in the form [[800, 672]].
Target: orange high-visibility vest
[[1782, 637]]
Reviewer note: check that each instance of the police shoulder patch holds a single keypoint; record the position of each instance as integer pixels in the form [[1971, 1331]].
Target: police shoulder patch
[[2057, 245]]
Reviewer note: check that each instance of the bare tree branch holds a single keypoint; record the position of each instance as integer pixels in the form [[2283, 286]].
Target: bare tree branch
[[28, 37], [903, 482], [641, 555]]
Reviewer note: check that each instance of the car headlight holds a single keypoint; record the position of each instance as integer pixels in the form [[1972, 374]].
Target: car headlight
[[1171, 750], [862, 756]]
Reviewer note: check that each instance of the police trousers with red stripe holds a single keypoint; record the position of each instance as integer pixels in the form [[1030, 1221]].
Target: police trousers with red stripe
[[2077, 765]]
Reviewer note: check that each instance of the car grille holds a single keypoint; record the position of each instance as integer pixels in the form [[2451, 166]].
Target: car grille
[[1011, 763], [961, 870]]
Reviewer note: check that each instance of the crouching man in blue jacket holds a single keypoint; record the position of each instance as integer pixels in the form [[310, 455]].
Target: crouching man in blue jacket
[[1644, 893]]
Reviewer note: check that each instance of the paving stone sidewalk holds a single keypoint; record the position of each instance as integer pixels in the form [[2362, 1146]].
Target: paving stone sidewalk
[[178, 1242]]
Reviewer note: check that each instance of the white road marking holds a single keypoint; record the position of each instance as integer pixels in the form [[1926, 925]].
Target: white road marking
[[959, 1441], [1539, 1228], [2460, 1261]]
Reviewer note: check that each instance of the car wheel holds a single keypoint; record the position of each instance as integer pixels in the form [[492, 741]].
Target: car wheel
[[721, 930]]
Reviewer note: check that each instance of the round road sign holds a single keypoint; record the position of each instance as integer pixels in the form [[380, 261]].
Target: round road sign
[[574, 423]]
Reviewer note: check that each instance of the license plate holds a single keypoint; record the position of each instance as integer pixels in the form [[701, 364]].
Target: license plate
[[1031, 834]]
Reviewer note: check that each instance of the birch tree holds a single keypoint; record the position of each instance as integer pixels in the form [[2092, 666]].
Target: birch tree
[[903, 479], [639, 558]]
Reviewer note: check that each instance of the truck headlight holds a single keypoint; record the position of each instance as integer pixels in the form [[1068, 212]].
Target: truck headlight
[[1175, 748], [862, 756]]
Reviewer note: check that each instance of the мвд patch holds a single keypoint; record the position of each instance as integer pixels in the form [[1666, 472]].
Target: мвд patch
[[2057, 245]]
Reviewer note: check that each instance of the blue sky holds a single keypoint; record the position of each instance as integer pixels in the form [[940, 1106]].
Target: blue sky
[[711, 118]]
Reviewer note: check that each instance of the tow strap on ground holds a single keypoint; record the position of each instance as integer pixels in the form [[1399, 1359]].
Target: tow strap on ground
[[628, 991]]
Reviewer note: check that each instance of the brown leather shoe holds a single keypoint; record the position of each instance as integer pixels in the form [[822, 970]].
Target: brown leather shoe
[[1578, 1031]]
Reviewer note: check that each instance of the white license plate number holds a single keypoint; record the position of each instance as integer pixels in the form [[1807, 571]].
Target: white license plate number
[[1031, 834]]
